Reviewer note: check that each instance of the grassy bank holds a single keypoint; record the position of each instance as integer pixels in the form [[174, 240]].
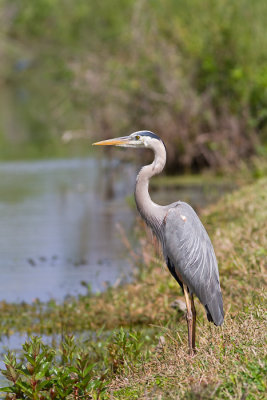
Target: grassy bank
[[148, 357]]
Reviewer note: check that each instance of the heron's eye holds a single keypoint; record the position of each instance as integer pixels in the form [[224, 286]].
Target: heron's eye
[[137, 137]]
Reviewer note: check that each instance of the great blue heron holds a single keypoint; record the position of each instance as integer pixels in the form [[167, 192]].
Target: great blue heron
[[186, 246]]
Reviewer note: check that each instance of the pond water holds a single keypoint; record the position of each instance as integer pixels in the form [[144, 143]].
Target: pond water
[[58, 227]]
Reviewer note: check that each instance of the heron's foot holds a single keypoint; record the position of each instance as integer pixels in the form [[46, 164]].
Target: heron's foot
[[192, 352]]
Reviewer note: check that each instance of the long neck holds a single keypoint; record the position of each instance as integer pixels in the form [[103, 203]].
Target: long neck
[[151, 212]]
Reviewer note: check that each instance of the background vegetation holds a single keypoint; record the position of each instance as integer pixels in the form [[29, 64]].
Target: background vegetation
[[195, 72]]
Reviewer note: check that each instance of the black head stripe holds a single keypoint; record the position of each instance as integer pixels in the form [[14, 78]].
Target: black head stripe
[[148, 133]]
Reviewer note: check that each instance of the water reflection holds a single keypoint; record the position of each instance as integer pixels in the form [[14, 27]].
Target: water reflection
[[58, 226]]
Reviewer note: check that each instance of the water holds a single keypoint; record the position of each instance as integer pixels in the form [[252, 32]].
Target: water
[[58, 227]]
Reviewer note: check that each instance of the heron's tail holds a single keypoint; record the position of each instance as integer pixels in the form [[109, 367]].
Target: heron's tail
[[214, 309]]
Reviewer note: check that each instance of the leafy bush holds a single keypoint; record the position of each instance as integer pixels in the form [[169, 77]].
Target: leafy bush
[[43, 375]]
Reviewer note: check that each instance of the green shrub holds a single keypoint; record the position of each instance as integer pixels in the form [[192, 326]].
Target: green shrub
[[42, 374]]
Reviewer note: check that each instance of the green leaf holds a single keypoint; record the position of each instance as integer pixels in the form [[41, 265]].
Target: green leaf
[[88, 369], [30, 359], [44, 384], [7, 389], [26, 388], [44, 368]]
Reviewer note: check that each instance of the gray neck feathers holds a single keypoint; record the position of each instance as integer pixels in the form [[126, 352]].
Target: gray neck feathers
[[152, 213]]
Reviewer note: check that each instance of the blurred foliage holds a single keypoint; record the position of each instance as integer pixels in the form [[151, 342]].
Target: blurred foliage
[[194, 72]]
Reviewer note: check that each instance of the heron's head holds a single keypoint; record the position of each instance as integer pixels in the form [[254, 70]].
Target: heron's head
[[137, 139]]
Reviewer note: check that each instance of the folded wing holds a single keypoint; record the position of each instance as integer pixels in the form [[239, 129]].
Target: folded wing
[[189, 252]]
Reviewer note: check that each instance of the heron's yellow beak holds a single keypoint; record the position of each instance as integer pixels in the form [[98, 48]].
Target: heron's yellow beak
[[113, 142]]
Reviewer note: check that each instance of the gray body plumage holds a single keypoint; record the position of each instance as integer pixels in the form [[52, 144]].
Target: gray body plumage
[[188, 249]]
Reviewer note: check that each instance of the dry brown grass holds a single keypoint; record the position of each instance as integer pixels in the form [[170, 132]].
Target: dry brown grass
[[223, 353]]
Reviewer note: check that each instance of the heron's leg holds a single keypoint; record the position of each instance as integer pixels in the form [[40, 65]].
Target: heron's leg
[[189, 317], [194, 321]]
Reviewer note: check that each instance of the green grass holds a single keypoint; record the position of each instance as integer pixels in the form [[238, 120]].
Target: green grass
[[142, 342]]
